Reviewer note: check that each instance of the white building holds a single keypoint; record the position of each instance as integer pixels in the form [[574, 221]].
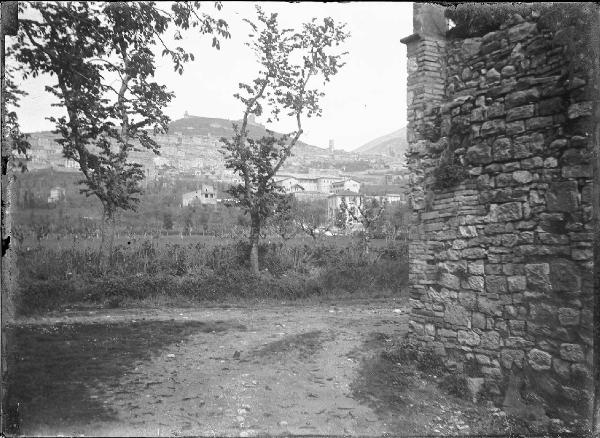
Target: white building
[[352, 199], [206, 195], [56, 194], [345, 186]]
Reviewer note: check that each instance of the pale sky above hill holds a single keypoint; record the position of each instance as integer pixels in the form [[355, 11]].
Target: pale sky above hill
[[367, 99]]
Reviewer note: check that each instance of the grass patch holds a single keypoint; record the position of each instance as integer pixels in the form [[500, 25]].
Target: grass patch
[[51, 278]]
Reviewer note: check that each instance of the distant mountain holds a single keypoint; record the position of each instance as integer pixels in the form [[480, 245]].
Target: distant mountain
[[195, 125], [393, 144]]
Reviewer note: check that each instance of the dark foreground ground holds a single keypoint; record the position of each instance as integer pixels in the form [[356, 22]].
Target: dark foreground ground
[[271, 369]]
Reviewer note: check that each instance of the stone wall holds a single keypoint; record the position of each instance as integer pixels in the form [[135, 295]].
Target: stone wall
[[501, 261]]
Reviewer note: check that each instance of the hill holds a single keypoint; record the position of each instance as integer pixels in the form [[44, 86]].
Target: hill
[[393, 144], [195, 125]]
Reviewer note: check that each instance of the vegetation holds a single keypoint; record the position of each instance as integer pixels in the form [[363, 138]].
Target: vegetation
[[289, 61], [180, 272], [88, 47]]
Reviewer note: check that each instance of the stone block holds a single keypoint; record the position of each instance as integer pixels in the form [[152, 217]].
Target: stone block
[[575, 156], [562, 196], [568, 316], [474, 386], [572, 352], [492, 127], [479, 154], [510, 211], [467, 231], [476, 268], [508, 70], [514, 128], [468, 337], [496, 110], [476, 282], [577, 171], [490, 340], [561, 367], [495, 284], [517, 342], [478, 320], [520, 113], [519, 98], [517, 327], [467, 299], [539, 360], [488, 306], [457, 315], [580, 109], [521, 31], [565, 276], [517, 283], [539, 122], [538, 276], [508, 357], [522, 176], [474, 253], [450, 281]]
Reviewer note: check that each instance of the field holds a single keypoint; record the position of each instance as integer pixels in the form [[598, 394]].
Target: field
[[64, 272]]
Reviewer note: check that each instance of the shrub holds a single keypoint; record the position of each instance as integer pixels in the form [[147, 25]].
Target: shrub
[[54, 277], [456, 385]]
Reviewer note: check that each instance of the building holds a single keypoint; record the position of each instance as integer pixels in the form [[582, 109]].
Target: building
[[345, 185], [57, 194], [352, 199], [322, 184], [206, 195]]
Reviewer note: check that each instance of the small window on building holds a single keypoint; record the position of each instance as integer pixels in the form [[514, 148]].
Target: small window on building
[[206, 195]]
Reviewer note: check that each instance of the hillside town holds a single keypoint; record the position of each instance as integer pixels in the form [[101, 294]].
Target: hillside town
[[191, 152]]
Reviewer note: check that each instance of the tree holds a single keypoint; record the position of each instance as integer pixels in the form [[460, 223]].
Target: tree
[[368, 213], [311, 216], [289, 61], [283, 217], [168, 220], [19, 146], [88, 47], [396, 220]]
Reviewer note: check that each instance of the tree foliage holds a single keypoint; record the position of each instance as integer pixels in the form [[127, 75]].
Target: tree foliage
[[100, 56], [19, 145], [290, 63], [311, 216], [88, 47]]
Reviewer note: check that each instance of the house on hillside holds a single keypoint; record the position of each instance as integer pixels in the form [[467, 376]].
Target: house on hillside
[[57, 194], [347, 185], [352, 199], [317, 184], [206, 195]]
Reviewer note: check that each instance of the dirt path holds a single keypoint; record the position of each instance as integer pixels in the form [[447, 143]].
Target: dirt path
[[234, 372]]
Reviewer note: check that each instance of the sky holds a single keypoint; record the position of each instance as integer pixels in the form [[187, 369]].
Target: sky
[[365, 100]]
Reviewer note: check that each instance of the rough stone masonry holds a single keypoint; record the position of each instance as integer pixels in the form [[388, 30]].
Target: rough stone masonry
[[501, 263]]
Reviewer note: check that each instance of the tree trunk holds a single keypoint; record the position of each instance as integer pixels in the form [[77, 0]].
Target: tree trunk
[[106, 239], [103, 241], [254, 238], [111, 240]]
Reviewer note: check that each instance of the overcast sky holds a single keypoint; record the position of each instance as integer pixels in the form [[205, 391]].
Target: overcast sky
[[367, 99]]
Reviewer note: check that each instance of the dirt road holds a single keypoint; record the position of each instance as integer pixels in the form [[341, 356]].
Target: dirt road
[[212, 372]]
